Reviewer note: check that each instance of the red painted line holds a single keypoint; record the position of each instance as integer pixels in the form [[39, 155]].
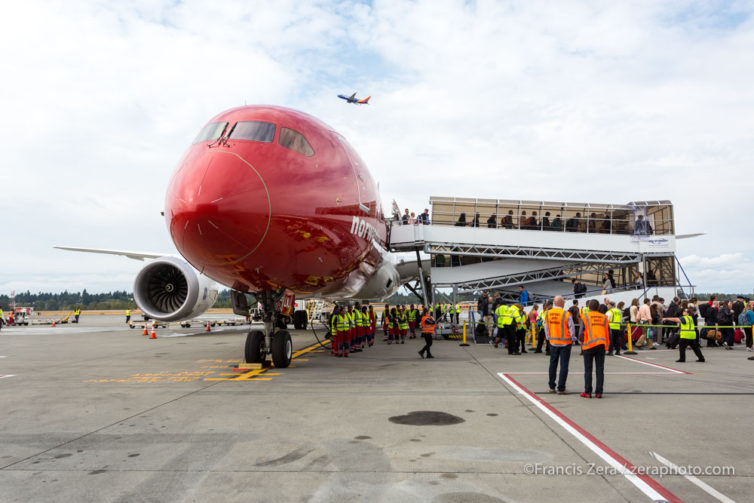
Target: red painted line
[[655, 365], [661, 490]]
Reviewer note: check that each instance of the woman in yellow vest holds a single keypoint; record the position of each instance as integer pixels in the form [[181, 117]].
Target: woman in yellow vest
[[595, 339], [688, 335], [615, 318]]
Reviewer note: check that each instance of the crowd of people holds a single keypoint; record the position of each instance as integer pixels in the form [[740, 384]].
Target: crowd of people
[[602, 329], [594, 223]]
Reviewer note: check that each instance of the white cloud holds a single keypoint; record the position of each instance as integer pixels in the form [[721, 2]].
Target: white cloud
[[514, 100]]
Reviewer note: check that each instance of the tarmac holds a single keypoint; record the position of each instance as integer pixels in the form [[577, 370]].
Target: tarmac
[[99, 412]]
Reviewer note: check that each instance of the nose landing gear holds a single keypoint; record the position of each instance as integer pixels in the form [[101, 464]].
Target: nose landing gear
[[275, 343]]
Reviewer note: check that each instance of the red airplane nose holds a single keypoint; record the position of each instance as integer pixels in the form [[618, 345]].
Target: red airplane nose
[[218, 210]]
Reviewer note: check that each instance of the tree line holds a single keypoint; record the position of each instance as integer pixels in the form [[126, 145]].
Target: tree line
[[63, 301]]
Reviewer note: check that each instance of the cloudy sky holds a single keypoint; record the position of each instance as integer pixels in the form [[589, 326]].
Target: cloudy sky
[[573, 101]]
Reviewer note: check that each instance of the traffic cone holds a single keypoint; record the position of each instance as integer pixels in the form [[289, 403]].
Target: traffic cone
[[145, 331], [53, 323], [154, 334], [207, 329]]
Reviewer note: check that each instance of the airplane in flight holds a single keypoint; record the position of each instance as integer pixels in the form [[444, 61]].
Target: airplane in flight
[[352, 99], [267, 201]]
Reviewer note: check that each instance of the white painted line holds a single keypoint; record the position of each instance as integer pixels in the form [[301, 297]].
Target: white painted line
[[657, 365], [647, 373], [8, 375], [644, 483], [701, 485]]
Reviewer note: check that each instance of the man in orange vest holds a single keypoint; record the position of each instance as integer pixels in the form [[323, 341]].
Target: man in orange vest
[[428, 331], [595, 339], [560, 333]]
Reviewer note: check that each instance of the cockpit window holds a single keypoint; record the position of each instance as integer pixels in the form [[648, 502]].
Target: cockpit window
[[253, 131], [211, 132], [295, 141]]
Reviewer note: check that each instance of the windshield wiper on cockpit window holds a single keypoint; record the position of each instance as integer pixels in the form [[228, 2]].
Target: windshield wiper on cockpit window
[[223, 139]]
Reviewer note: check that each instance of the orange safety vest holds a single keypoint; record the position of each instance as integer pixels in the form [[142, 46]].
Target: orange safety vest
[[596, 330], [427, 328], [557, 327]]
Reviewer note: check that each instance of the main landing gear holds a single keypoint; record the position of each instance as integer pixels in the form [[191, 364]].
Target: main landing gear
[[276, 343]]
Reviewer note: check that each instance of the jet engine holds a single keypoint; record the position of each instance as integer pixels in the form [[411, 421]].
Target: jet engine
[[169, 289]]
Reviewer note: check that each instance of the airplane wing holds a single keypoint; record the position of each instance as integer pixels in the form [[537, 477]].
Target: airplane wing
[[130, 254], [353, 97], [686, 236]]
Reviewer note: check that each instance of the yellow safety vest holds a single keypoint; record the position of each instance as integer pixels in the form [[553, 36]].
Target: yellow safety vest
[[615, 318], [128, 312], [458, 308], [687, 328]]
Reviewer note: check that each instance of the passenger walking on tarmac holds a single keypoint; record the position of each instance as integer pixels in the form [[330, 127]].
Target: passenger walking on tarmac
[[412, 315], [560, 333], [595, 339], [428, 331], [128, 315], [688, 336], [615, 318]]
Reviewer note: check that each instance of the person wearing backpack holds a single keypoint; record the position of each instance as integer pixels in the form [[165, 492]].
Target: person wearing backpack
[[725, 318]]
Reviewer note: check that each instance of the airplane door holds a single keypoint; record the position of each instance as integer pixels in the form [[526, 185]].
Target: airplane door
[[361, 186]]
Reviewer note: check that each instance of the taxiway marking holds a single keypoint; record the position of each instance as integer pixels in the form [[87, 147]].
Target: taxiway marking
[[675, 371], [650, 487], [703, 486], [2, 376]]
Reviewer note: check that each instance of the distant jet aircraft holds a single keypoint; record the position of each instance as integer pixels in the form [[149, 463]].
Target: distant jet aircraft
[[352, 99]]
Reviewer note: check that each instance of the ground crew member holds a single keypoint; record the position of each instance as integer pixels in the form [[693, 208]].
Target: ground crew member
[[560, 333], [615, 315], [520, 318], [428, 331], [392, 324], [385, 323], [372, 325], [595, 339], [688, 335], [341, 338], [2, 319], [357, 325], [350, 337], [11, 319], [412, 314], [458, 314], [540, 328], [365, 327], [403, 324], [500, 312], [334, 330], [128, 315], [77, 313]]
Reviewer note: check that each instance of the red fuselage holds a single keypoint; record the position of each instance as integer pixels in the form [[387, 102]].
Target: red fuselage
[[269, 198]]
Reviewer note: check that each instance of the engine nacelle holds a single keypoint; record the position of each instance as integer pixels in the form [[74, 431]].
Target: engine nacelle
[[169, 289], [383, 283]]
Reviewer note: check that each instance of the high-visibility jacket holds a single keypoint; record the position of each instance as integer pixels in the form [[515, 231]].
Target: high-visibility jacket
[[558, 332], [343, 323], [128, 312], [503, 317], [334, 323], [687, 328], [356, 318], [351, 320], [458, 308], [427, 324], [403, 321], [615, 318], [515, 315], [77, 312], [412, 314], [596, 330], [389, 320]]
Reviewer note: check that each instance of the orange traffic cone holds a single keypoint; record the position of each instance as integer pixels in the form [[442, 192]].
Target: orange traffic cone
[[207, 329], [145, 331], [154, 334], [53, 323]]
